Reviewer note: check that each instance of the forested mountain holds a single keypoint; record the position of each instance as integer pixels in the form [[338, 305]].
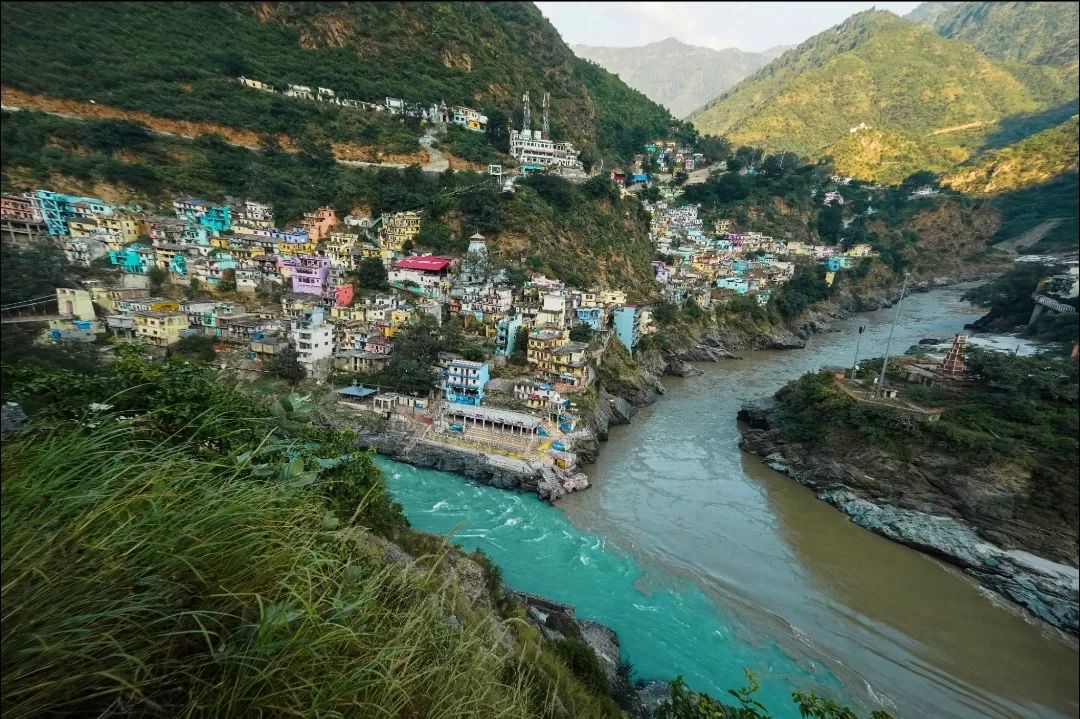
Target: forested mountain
[[927, 11], [181, 61], [1031, 161], [927, 96], [1036, 33], [680, 77]]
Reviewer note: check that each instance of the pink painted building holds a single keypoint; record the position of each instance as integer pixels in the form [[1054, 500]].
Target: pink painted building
[[20, 207], [308, 273]]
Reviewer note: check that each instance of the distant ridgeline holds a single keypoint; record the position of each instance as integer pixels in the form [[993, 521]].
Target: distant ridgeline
[[884, 98], [181, 61]]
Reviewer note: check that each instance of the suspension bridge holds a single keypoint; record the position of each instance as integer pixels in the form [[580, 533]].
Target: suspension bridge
[[37, 309]]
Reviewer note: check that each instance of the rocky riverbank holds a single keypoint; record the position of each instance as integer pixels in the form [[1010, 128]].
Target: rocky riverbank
[[553, 620], [966, 516], [395, 440], [625, 384]]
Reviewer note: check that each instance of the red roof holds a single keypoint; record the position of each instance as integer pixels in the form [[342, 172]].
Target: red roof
[[429, 264]]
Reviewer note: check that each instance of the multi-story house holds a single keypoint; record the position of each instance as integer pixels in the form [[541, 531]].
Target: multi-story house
[[506, 333], [313, 338], [216, 218], [396, 229], [160, 329], [319, 223], [554, 311], [464, 381], [57, 208], [627, 321], [308, 273], [540, 396], [542, 341], [133, 260], [20, 207], [566, 366], [426, 275], [590, 316]]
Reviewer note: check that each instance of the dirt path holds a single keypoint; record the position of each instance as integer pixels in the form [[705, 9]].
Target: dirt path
[[1029, 238], [14, 100]]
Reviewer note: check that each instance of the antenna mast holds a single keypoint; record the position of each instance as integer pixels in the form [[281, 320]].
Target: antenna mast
[[888, 345], [547, 98], [526, 123]]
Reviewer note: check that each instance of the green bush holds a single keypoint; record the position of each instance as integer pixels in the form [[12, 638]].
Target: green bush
[[580, 658]]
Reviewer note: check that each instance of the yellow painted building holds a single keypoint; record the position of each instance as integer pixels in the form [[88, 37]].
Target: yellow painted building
[[348, 314], [861, 250], [291, 249], [395, 229], [160, 328], [121, 223], [542, 342], [77, 304]]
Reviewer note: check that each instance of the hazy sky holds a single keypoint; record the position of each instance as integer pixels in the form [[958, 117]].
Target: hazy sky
[[751, 26]]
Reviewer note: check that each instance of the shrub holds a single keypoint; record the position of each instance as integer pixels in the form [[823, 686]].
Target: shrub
[[582, 661]]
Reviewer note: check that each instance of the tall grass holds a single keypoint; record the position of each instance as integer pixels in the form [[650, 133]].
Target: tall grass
[[153, 580]]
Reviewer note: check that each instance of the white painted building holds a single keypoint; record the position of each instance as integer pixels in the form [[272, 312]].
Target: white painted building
[[313, 338]]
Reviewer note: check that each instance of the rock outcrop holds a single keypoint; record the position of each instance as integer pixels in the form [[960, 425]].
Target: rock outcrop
[[964, 515]]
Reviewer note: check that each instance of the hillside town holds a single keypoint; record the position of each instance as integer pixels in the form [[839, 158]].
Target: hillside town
[[261, 293]]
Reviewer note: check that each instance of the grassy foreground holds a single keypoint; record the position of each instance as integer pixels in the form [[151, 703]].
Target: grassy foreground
[[142, 578]]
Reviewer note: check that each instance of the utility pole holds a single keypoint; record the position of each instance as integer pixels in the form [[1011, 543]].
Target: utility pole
[[858, 341], [888, 345]]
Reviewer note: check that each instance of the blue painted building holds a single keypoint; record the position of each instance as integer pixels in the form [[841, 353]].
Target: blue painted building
[[627, 320], [836, 263], [464, 381], [57, 208], [505, 333], [216, 218], [131, 261], [591, 316]]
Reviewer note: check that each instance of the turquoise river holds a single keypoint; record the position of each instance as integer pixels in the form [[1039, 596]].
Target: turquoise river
[[705, 562]]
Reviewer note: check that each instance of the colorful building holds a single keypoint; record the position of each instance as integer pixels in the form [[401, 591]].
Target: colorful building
[[627, 321], [160, 329], [464, 381]]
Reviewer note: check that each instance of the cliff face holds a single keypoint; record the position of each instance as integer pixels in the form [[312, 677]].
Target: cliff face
[[970, 516]]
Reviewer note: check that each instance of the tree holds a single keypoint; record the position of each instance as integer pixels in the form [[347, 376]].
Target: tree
[[498, 128], [370, 273], [581, 332], [31, 272], [286, 365], [714, 148], [478, 266], [515, 276], [918, 179], [521, 343], [227, 283], [195, 347], [156, 277], [666, 313], [830, 222], [193, 288]]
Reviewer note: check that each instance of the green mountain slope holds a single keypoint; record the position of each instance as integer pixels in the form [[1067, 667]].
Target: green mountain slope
[[1038, 33], [181, 60], [1032, 161], [882, 71], [680, 77], [584, 234], [928, 11]]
